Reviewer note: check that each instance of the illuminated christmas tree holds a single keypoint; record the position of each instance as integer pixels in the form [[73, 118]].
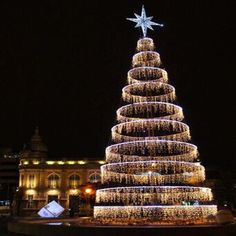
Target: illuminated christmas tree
[[153, 173]]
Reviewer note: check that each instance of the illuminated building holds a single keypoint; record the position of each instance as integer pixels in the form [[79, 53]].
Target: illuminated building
[[72, 183]]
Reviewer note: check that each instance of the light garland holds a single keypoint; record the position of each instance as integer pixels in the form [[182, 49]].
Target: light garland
[[147, 150], [148, 92], [147, 73], [146, 195], [146, 58], [152, 169], [160, 214], [146, 44], [152, 173], [150, 129], [145, 110]]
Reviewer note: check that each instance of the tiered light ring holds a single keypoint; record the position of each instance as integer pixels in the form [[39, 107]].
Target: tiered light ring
[[142, 110], [147, 150], [146, 58], [148, 91], [142, 74], [158, 195], [150, 129], [152, 171], [158, 214]]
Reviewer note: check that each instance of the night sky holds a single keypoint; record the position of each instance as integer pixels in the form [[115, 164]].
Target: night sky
[[63, 67]]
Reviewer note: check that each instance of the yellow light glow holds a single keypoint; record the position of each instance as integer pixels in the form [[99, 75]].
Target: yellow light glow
[[71, 162], [101, 162], [81, 162], [164, 214], [60, 162], [53, 192], [30, 192], [35, 162], [50, 162], [74, 191], [25, 162], [88, 190]]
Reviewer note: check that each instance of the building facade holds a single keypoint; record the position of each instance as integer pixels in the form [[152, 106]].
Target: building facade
[[70, 182]]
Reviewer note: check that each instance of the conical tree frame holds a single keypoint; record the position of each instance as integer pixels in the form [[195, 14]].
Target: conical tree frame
[[152, 172]]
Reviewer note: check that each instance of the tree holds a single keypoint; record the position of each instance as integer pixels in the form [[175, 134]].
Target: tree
[[152, 172]]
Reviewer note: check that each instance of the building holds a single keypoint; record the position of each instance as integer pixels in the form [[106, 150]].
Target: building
[[9, 176], [70, 182]]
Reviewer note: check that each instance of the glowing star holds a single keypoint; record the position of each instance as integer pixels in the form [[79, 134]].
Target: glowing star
[[144, 22]]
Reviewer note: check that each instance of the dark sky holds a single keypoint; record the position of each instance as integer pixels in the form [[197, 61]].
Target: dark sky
[[63, 67]]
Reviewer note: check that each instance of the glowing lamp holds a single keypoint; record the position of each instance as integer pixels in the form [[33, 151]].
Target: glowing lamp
[[81, 162], [50, 162], [88, 190], [101, 162], [71, 162], [60, 162]]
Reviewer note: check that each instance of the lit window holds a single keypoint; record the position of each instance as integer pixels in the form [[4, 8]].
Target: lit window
[[53, 181], [94, 178], [22, 180], [74, 181], [31, 181]]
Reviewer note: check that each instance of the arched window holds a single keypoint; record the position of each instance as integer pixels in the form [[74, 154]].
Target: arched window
[[31, 181], [22, 181], [53, 181], [74, 181], [95, 177]]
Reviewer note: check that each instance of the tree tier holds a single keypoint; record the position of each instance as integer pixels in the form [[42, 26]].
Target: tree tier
[[152, 173], [150, 129], [153, 195], [148, 92], [147, 73], [160, 214], [148, 150], [146, 110]]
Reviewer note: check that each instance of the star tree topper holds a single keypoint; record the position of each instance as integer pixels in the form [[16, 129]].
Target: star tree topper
[[144, 22]]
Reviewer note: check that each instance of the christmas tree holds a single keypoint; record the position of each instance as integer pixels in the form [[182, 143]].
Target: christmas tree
[[153, 173]]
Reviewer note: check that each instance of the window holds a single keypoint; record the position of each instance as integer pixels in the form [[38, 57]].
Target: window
[[30, 201], [74, 181], [94, 178], [22, 181], [53, 181], [31, 181]]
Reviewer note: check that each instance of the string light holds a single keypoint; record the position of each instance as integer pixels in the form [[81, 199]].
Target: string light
[[152, 173], [152, 129], [142, 110], [145, 195], [146, 150], [142, 74], [170, 172], [148, 92], [161, 214]]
